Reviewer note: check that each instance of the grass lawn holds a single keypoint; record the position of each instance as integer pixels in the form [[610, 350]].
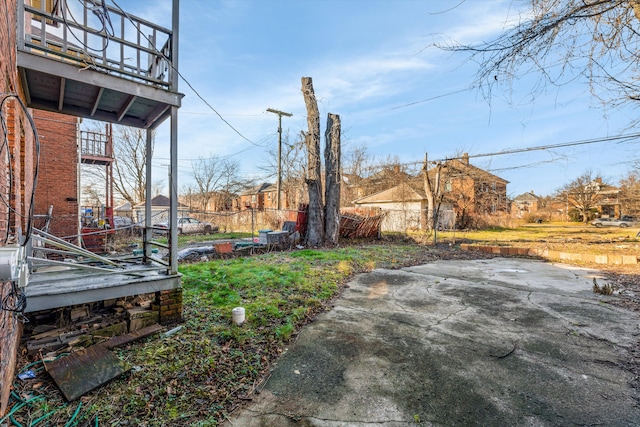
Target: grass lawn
[[198, 375]]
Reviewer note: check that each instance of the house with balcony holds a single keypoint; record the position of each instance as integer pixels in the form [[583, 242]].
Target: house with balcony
[[102, 64]]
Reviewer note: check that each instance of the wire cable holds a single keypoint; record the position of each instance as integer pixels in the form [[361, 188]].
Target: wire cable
[[101, 12], [182, 77], [31, 210]]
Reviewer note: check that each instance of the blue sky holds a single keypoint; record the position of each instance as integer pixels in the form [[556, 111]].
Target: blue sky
[[371, 63]]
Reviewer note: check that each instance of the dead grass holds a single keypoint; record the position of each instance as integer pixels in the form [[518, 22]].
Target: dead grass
[[567, 237]]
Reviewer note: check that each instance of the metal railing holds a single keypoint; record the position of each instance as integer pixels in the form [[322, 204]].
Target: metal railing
[[99, 37], [95, 144]]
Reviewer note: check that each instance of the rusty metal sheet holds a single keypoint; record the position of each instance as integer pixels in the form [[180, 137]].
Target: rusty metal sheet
[[84, 370]]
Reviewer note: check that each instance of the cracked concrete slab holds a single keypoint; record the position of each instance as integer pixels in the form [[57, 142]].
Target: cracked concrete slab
[[481, 342]]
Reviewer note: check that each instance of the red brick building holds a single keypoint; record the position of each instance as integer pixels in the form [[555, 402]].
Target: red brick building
[[17, 153], [58, 174]]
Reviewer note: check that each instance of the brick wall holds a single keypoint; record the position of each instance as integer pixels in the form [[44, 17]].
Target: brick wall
[[170, 306], [58, 176], [10, 327]]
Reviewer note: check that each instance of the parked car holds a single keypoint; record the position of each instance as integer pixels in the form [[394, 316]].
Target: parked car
[[611, 222], [122, 222], [187, 225]]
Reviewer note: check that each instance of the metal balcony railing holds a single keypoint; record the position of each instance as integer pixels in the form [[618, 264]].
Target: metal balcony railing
[[95, 144], [98, 36]]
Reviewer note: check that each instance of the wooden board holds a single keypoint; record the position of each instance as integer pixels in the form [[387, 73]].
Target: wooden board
[[84, 370]]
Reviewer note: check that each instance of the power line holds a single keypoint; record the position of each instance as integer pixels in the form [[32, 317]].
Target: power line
[[551, 146], [430, 99]]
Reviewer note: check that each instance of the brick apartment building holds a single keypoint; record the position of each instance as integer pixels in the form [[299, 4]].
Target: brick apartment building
[[17, 162], [58, 172]]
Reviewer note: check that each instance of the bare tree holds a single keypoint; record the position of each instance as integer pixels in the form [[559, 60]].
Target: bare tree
[[129, 177], [583, 194], [315, 220], [630, 193], [356, 166], [230, 184], [332, 179], [92, 196], [129, 166], [292, 168], [211, 174], [187, 194], [559, 41]]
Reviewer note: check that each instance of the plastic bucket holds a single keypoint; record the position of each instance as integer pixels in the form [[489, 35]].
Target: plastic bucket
[[237, 315]]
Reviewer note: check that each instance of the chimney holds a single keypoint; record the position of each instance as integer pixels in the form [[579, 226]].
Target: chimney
[[465, 158]]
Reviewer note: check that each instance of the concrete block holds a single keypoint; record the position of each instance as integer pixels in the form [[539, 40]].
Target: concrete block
[[615, 259], [552, 254], [140, 318], [575, 257], [629, 259], [602, 259]]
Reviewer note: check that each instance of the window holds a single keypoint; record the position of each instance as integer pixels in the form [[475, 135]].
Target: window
[[50, 6]]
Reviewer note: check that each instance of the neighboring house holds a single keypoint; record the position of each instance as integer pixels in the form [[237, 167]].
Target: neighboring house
[[256, 197], [471, 190], [608, 199], [525, 204], [219, 201], [467, 191], [125, 209], [159, 210], [403, 205]]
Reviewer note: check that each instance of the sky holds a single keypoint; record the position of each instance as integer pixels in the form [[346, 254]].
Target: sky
[[373, 63]]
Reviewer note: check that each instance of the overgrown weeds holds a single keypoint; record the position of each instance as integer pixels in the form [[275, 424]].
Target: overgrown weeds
[[200, 374]]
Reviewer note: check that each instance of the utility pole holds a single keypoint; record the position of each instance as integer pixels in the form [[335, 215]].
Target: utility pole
[[279, 182]]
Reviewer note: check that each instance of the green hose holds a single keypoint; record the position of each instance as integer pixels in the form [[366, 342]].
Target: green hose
[[42, 418], [75, 414], [12, 411], [14, 422]]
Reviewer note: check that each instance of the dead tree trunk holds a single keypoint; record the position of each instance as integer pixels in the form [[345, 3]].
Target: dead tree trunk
[[332, 179], [315, 220]]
